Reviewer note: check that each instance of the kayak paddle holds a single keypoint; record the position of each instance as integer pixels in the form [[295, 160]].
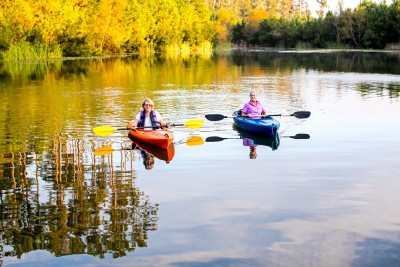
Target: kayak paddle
[[218, 139], [297, 114], [194, 140], [107, 130], [298, 136]]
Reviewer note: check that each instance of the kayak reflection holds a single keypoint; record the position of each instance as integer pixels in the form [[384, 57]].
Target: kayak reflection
[[253, 140], [148, 152]]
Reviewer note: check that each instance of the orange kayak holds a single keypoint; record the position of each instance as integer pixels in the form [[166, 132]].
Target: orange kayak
[[158, 138], [163, 154]]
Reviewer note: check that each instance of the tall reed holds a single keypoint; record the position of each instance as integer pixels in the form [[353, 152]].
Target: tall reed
[[28, 51]]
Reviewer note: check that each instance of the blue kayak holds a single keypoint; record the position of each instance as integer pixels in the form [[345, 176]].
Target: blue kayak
[[266, 126]]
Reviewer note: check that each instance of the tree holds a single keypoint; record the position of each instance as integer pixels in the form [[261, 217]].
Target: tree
[[238, 36], [223, 25], [16, 20], [377, 25], [333, 23], [196, 23], [272, 33], [107, 30]]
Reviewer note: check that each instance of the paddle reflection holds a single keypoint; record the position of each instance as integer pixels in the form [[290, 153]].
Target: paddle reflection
[[252, 141]]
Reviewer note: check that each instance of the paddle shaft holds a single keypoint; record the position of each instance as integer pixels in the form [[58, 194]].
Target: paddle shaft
[[126, 128], [218, 139], [107, 130], [147, 127], [297, 114]]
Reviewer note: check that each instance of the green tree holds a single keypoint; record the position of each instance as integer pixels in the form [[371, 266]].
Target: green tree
[[238, 36], [378, 30], [272, 33], [334, 24]]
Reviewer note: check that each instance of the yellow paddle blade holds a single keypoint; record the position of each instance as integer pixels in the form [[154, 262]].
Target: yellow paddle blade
[[102, 151], [104, 130], [195, 140], [193, 124]]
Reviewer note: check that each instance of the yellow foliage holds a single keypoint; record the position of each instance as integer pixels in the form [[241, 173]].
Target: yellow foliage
[[258, 15]]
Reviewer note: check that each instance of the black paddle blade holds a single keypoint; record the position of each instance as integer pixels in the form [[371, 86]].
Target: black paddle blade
[[301, 136], [301, 114], [214, 139], [215, 117]]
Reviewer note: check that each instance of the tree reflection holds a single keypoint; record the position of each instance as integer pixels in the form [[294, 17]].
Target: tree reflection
[[68, 201]]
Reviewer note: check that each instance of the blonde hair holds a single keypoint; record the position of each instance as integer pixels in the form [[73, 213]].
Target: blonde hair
[[148, 100]]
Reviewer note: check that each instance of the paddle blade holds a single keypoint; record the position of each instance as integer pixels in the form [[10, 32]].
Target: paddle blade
[[215, 117], [194, 124], [104, 130], [102, 151], [301, 136], [195, 140], [214, 139], [301, 114]]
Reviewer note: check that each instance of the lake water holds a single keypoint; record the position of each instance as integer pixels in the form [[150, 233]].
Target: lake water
[[70, 197]]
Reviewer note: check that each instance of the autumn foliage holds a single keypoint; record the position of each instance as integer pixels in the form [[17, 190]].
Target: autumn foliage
[[31, 29]]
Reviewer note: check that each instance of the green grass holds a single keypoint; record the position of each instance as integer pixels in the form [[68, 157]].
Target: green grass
[[28, 51]]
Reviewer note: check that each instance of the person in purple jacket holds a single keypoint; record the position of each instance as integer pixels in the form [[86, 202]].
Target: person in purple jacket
[[253, 109]]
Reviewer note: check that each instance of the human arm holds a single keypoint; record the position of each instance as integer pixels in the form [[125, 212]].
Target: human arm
[[164, 124], [135, 122], [244, 114], [245, 111], [161, 121], [264, 112]]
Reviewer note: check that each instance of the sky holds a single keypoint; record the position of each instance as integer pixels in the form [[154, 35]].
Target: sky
[[333, 4]]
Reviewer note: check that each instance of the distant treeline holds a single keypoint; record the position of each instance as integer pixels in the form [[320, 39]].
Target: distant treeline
[[34, 29], [370, 25]]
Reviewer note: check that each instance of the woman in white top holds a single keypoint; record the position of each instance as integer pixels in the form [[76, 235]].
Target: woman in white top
[[148, 117]]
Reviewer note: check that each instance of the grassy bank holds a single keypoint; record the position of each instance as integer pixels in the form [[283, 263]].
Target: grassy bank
[[28, 51]]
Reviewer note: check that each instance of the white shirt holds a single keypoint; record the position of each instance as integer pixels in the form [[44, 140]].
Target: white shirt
[[147, 121]]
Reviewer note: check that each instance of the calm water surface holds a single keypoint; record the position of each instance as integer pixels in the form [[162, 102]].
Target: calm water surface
[[69, 197]]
